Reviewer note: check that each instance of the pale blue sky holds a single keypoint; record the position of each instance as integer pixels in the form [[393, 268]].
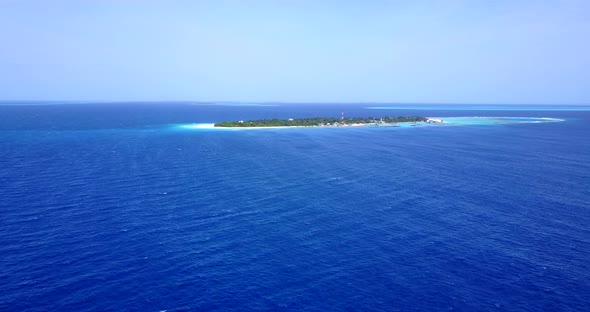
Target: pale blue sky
[[517, 52]]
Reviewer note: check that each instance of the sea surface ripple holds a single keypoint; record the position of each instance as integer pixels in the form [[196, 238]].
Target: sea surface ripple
[[107, 208]]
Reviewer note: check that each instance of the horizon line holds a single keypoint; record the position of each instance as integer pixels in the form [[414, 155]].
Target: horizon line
[[14, 102]]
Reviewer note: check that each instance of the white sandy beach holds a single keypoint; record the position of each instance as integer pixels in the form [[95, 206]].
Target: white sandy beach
[[211, 126], [453, 121]]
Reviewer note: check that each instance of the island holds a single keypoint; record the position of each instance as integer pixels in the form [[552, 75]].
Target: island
[[326, 122]]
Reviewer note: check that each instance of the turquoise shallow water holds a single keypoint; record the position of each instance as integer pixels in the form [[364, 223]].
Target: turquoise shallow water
[[484, 107], [497, 120], [111, 207], [447, 121]]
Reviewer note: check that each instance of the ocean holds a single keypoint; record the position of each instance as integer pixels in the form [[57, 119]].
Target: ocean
[[121, 207]]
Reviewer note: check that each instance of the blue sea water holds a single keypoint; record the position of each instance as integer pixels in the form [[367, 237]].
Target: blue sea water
[[113, 207]]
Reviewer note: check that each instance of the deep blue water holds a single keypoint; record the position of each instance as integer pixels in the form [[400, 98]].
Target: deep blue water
[[109, 207]]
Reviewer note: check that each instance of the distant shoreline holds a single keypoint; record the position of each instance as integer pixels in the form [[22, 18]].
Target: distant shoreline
[[432, 121], [327, 122]]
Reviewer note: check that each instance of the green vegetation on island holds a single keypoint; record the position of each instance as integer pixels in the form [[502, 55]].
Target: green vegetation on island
[[323, 122]]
